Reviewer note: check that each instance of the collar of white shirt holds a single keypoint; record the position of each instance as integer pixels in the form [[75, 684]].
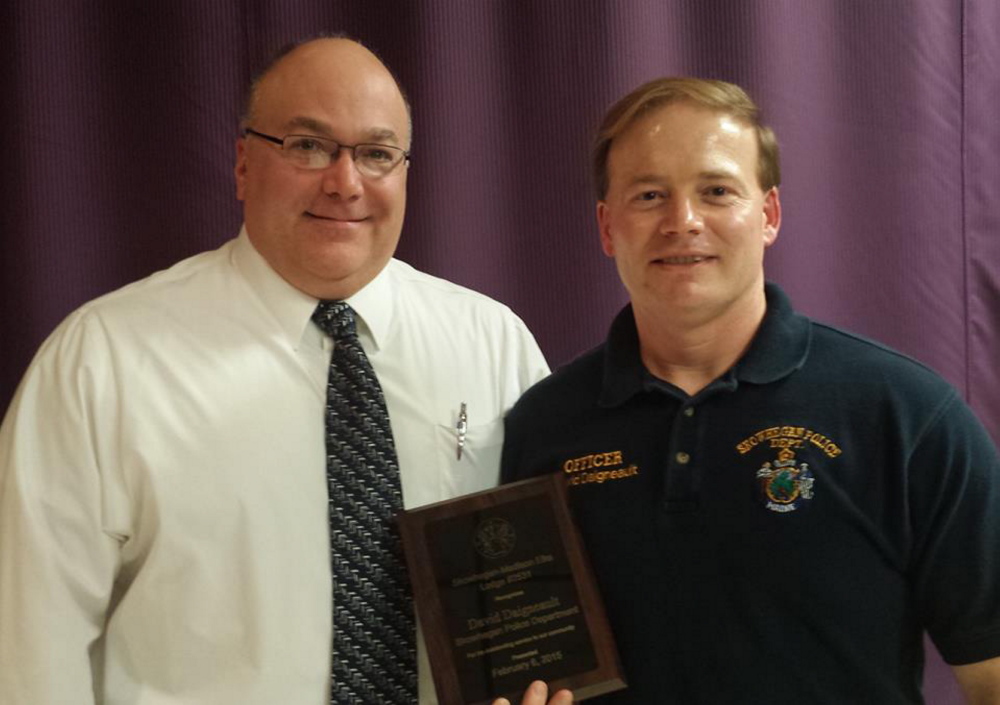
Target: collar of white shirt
[[293, 309]]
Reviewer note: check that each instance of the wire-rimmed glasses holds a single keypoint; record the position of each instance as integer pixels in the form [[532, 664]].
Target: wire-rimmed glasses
[[312, 152]]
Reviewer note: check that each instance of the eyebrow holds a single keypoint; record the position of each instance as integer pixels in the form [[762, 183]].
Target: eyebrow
[[709, 175], [719, 174], [375, 134]]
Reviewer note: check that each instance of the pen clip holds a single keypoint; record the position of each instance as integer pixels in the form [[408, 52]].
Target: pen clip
[[461, 428]]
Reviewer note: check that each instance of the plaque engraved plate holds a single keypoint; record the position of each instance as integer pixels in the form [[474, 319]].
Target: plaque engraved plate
[[505, 595]]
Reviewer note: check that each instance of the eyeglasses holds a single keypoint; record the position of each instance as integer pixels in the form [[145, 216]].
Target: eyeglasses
[[312, 152]]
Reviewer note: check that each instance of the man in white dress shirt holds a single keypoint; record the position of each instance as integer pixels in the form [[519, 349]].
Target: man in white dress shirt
[[163, 518]]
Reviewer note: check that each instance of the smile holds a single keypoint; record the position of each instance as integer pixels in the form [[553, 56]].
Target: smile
[[334, 219], [685, 259]]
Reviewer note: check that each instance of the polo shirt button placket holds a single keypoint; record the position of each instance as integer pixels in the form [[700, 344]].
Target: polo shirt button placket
[[681, 482], [681, 457]]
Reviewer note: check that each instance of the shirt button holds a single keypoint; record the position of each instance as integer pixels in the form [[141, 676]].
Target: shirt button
[[689, 412], [683, 458]]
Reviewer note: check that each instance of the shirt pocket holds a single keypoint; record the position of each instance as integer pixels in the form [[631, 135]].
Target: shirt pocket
[[479, 467]]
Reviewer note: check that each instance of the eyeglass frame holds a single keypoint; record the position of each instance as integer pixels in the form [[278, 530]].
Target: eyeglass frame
[[280, 141]]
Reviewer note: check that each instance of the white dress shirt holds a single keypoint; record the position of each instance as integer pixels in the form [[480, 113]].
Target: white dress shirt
[[163, 522]]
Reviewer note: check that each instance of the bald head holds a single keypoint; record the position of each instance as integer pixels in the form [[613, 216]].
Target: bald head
[[346, 56]]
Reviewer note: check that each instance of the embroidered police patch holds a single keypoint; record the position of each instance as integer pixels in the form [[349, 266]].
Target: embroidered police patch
[[785, 483]]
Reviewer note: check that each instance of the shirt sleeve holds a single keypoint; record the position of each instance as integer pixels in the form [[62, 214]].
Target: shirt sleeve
[[512, 466], [57, 560], [531, 365], [955, 505]]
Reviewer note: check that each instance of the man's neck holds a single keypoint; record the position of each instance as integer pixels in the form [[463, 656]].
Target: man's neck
[[691, 350]]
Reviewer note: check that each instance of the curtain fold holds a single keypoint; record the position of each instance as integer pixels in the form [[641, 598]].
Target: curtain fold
[[121, 118]]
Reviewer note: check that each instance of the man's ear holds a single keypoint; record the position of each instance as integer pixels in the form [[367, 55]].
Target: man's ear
[[604, 227], [240, 170], [772, 216]]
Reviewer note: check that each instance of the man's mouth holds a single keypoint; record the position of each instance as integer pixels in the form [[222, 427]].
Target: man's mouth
[[683, 259], [334, 219]]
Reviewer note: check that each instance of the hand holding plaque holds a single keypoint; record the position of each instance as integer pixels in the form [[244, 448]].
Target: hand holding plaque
[[538, 694], [505, 595]]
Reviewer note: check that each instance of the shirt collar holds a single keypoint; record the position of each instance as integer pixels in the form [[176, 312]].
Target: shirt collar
[[374, 305], [779, 347], [290, 308], [293, 309], [781, 344]]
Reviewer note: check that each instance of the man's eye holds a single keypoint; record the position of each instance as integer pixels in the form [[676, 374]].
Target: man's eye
[[376, 154], [718, 191], [304, 144], [648, 196]]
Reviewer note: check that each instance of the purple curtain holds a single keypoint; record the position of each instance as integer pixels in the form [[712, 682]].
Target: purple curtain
[[120, 119]]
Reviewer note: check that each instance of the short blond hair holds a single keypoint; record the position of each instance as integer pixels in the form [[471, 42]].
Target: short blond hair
[[727, 98]]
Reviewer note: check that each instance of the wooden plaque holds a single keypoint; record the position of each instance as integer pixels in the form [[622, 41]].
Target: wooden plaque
[[505, 595]]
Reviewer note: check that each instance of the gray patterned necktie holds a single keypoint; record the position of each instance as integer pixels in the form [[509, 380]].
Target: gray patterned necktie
[[374, 651]]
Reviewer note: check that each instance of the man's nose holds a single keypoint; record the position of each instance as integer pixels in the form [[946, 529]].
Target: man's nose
[[341, 178], [682, 215]]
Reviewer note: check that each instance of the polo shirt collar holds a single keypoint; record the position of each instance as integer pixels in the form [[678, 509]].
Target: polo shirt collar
[[624, 372], [781, 344], [292, 309], [779, 347]]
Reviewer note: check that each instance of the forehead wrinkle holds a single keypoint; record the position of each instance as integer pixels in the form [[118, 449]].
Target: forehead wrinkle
[[308, 123], [720, 174], [667, 150], [324, 129], [646, 179], [382, 134]]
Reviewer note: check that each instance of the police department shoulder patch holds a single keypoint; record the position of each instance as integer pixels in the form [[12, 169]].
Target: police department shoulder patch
[[785, 483]]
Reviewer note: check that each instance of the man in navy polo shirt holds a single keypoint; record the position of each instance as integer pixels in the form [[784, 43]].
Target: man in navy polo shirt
[[776, 510]]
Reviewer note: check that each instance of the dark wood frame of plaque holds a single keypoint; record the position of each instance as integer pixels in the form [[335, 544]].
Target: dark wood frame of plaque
[[541, 499]]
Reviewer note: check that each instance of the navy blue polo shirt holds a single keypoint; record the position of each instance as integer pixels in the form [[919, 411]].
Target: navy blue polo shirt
[[787, 534]]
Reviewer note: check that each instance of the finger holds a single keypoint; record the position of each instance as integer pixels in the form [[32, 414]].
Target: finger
[[563, 697], [536, 694]]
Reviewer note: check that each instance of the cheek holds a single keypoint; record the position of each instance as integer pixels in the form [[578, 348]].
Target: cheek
[[634, 224], [391, 201], [736, 224], [288, 195], [737, 216]]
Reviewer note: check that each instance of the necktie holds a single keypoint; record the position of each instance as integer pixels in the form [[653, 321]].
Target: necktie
[[374, 653]]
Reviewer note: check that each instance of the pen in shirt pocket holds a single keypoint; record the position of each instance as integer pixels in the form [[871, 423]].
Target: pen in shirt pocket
[[461, 428]]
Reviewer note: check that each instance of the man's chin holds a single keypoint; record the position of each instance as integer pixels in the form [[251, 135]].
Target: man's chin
[[343, 276]]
